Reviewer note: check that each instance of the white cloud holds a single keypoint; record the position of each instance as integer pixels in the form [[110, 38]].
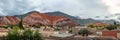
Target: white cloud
[[2, 13], [113, 7], [88, 8]]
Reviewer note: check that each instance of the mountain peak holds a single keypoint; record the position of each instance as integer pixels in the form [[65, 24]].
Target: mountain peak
[[45, 19], [24, 15], [33, 12], [56, 12]]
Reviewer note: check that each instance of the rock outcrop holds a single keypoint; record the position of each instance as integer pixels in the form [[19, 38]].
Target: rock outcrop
[[9, 20], [38, 18]]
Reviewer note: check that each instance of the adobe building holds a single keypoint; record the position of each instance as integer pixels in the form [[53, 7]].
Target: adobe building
[[109, 33]]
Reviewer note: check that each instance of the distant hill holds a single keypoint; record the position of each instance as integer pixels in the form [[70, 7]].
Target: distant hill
[[49, 18], [9, 20], [37, 18], [22, 15], [58, 13], [78, 20]]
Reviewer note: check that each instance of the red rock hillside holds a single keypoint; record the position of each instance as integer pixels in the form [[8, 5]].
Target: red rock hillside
[[8, 20], [43, 19]]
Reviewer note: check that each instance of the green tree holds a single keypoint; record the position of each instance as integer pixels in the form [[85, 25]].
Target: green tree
[[91, 26], [27, 34], [37, 35], [111, 27], [115, 23], [13, 34], [70, 31], [56, 29], [31, 35], [83, 32], [20, 25]]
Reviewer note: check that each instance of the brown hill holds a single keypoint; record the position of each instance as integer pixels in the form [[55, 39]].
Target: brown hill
[[37, 18], [8, 20]]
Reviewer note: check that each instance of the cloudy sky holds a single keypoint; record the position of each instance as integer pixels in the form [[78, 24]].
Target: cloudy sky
[[104, 9]]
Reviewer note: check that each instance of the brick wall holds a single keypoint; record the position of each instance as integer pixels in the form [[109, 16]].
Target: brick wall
[[109, 34]]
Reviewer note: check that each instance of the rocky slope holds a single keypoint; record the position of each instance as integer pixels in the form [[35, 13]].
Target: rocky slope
[[49, 18], [8, 20], [36, 18], [79, 20]]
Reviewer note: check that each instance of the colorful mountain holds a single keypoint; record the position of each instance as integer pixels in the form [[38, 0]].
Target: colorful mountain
[[37, 18], [9, 20]]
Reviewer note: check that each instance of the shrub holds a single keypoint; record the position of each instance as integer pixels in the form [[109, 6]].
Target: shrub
[[13, 35], [111, 27], [91, 26], [37, 35], [83, 32], [27, 34], [57, 29], [70, 31]]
